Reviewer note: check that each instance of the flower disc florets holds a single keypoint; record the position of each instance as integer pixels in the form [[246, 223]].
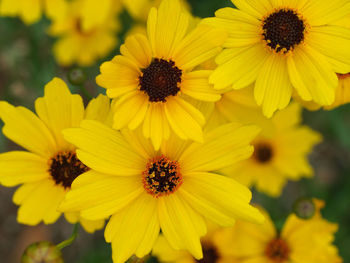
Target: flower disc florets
[[65, 167], [162, 176], [160, 80], [283, 30], [278, 250]]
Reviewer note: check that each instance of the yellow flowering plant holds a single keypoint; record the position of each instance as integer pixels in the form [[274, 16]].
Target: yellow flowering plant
[[176, 109]]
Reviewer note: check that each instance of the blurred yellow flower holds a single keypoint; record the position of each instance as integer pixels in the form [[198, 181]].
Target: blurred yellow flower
[[281, 149], [300, 240], [46, 170], [153, 73], [283, 45], [171, 189], [82, 39], [30, 11]]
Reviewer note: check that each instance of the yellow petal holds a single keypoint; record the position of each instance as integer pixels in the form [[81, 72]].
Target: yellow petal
[[200, 45], [320, 82], [273, 88], [59, 109], [196, 84], [220, 199], [222, 147], [99, 109], [133, 230], [184, 119], [256, 8], [104, 149], [98, 196], [166, 27], [138, 49], [22, 167], [178, 227], [27, 130]]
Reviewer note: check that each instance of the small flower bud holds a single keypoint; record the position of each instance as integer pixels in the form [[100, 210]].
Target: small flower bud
[[76, 76], [304, 208], [42, 252]]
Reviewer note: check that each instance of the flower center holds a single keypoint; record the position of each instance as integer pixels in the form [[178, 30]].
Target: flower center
[[277, 250], [160, 80], [283, 30], [162, 176], [263, 152], [65, 167], [210, 255]]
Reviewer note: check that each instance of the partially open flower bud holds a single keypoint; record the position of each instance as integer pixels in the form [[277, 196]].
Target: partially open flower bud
[[77, 76], [42, 252], [304, 208]]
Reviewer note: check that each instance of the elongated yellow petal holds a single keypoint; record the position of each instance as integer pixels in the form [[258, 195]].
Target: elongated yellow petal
[[133, 230], [22, 167]]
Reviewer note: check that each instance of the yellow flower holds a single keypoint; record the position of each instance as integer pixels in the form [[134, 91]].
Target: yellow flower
[[81, 39], [308, 241], [46, 170], [279, 45], [153, 73], [30, 11], [281, 149], [171, 189]]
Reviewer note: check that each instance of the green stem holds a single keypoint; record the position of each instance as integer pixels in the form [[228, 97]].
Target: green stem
[[70, 240]]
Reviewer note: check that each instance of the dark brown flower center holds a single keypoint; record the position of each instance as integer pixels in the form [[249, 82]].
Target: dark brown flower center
[[277, 250], [263, 152], [162, 176], [283, 30], [65, 167], [210, 255], [160, 80]]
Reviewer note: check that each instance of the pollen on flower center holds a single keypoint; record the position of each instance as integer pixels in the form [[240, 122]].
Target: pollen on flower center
[[65, 167], [160, 80], [277, 250], [263, 152], [162, 176], [283, 30]]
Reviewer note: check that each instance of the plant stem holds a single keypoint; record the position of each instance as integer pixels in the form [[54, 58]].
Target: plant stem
[[70, 240]]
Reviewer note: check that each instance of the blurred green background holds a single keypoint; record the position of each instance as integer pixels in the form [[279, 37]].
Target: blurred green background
[[27, 64]]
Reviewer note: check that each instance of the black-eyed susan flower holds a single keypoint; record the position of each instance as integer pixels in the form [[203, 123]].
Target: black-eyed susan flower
[[152, 74], [47, 169], [299, 241], [283, 45], [31, 11], [280, 150], [172, 189], [81, 39]]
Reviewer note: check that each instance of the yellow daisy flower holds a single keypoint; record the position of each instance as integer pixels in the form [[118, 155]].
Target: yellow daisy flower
[[46, 170], [280, 150], [172, 189], [274, 43], [30, 11], [299, 241], [153, 73], [76, 44]]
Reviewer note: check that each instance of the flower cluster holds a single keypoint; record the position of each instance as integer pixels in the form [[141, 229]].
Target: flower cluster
[[196, 112]]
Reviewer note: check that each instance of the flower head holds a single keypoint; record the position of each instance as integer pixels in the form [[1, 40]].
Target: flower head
[[299, 240], [83, 40], [145, 190], [49, 166], [272, 44], [153, 73], [280, 150]]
